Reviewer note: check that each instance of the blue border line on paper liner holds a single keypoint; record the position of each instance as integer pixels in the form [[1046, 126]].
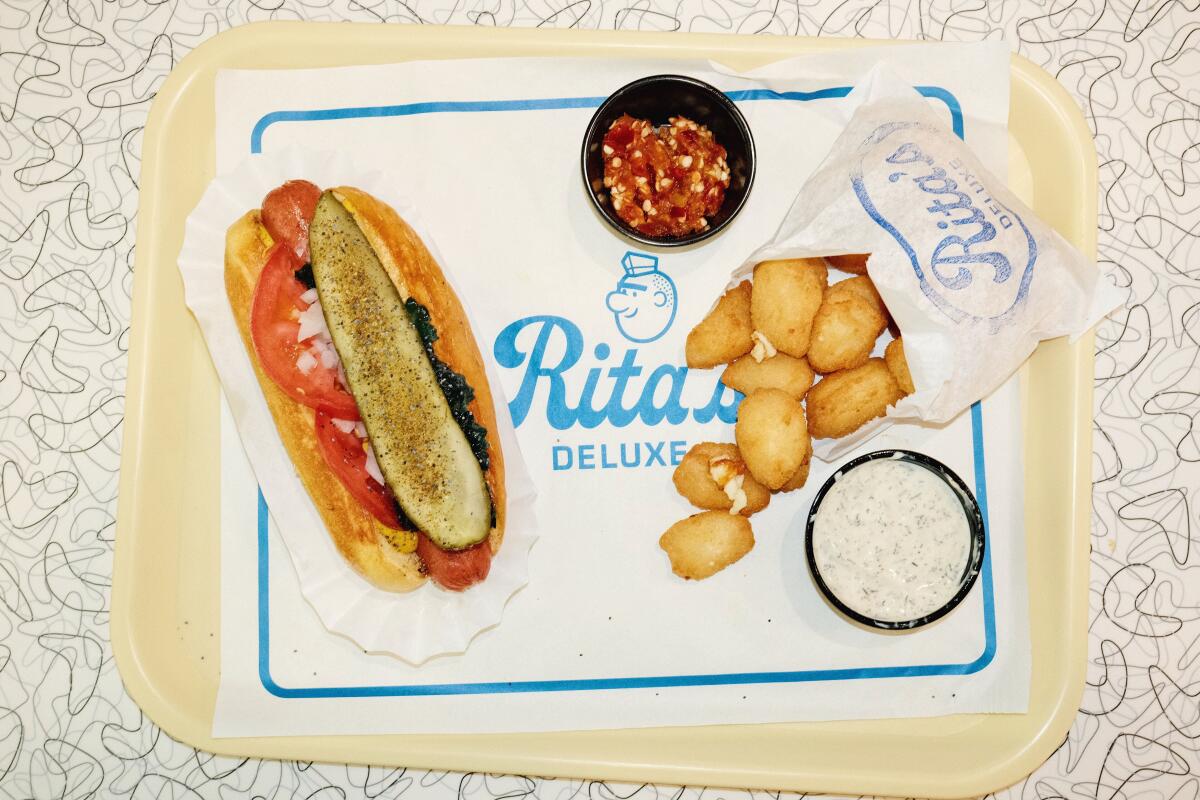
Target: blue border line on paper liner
[[645, 682], [639, 682], [554, 104]]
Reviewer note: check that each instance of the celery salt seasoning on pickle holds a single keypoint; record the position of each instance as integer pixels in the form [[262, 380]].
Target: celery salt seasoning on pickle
[[894, 540]]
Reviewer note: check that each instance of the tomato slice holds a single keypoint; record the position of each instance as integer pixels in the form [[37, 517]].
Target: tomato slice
[[455, 570], [286, 213], [273, 331], [345, 455]]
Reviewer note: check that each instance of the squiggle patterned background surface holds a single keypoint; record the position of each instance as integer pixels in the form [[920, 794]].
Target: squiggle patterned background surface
[[76, 80]]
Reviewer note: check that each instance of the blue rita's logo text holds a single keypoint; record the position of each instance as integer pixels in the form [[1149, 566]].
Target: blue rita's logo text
[[972, 255], [615, 390]]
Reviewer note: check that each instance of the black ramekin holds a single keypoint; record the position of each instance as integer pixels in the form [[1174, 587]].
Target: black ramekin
[[974, 557], [657, 98]]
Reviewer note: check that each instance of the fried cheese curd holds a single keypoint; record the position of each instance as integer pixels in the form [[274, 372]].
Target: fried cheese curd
[[706, 543], [776, 336], [714, 476]]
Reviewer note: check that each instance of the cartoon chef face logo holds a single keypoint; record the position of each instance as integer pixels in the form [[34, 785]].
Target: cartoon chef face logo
[[644, 301]]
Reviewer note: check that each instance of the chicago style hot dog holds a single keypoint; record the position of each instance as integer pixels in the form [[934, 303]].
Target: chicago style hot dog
[[375, 383]]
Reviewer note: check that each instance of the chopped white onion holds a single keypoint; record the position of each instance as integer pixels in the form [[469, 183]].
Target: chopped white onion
[[344, 425], [360, 430], [306, 362], [324, 350], [372, 465], [329, 357], [312, 322], [310, 296]]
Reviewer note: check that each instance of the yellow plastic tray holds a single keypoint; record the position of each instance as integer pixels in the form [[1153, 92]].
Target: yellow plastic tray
[[165, 627]]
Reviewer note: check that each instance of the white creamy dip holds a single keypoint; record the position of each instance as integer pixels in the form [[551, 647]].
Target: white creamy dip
[[891, 540]]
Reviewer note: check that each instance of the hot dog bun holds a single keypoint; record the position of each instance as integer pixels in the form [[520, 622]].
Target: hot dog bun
[[361, 540]]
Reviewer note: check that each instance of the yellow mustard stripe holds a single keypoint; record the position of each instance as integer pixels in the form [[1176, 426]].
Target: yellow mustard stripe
[[404, 541]]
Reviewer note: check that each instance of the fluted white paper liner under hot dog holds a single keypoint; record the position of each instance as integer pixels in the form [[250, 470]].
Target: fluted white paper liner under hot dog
[[414, 626], [971, 277]]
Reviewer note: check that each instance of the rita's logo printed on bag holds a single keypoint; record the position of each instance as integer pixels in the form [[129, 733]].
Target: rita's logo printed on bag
[[643, 304], [974, 256]]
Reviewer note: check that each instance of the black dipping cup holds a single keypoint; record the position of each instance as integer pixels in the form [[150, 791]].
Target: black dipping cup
[[974, 556], [657, 98]]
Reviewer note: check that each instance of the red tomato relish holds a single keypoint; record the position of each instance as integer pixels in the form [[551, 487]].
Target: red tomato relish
[[664, 182]]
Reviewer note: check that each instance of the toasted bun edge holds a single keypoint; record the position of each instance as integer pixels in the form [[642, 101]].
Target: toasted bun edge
[[355, 532]]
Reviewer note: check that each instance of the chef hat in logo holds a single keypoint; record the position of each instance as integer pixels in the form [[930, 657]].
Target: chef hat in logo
[[639, 264]]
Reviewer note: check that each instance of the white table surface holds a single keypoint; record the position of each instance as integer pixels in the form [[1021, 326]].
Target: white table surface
[[76, 78]]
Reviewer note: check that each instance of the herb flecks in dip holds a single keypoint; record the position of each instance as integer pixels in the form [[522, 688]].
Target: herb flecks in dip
[[664, 182], [891, 540]]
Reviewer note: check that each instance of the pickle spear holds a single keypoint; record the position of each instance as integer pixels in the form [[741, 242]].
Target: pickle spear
[[422, 452]]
